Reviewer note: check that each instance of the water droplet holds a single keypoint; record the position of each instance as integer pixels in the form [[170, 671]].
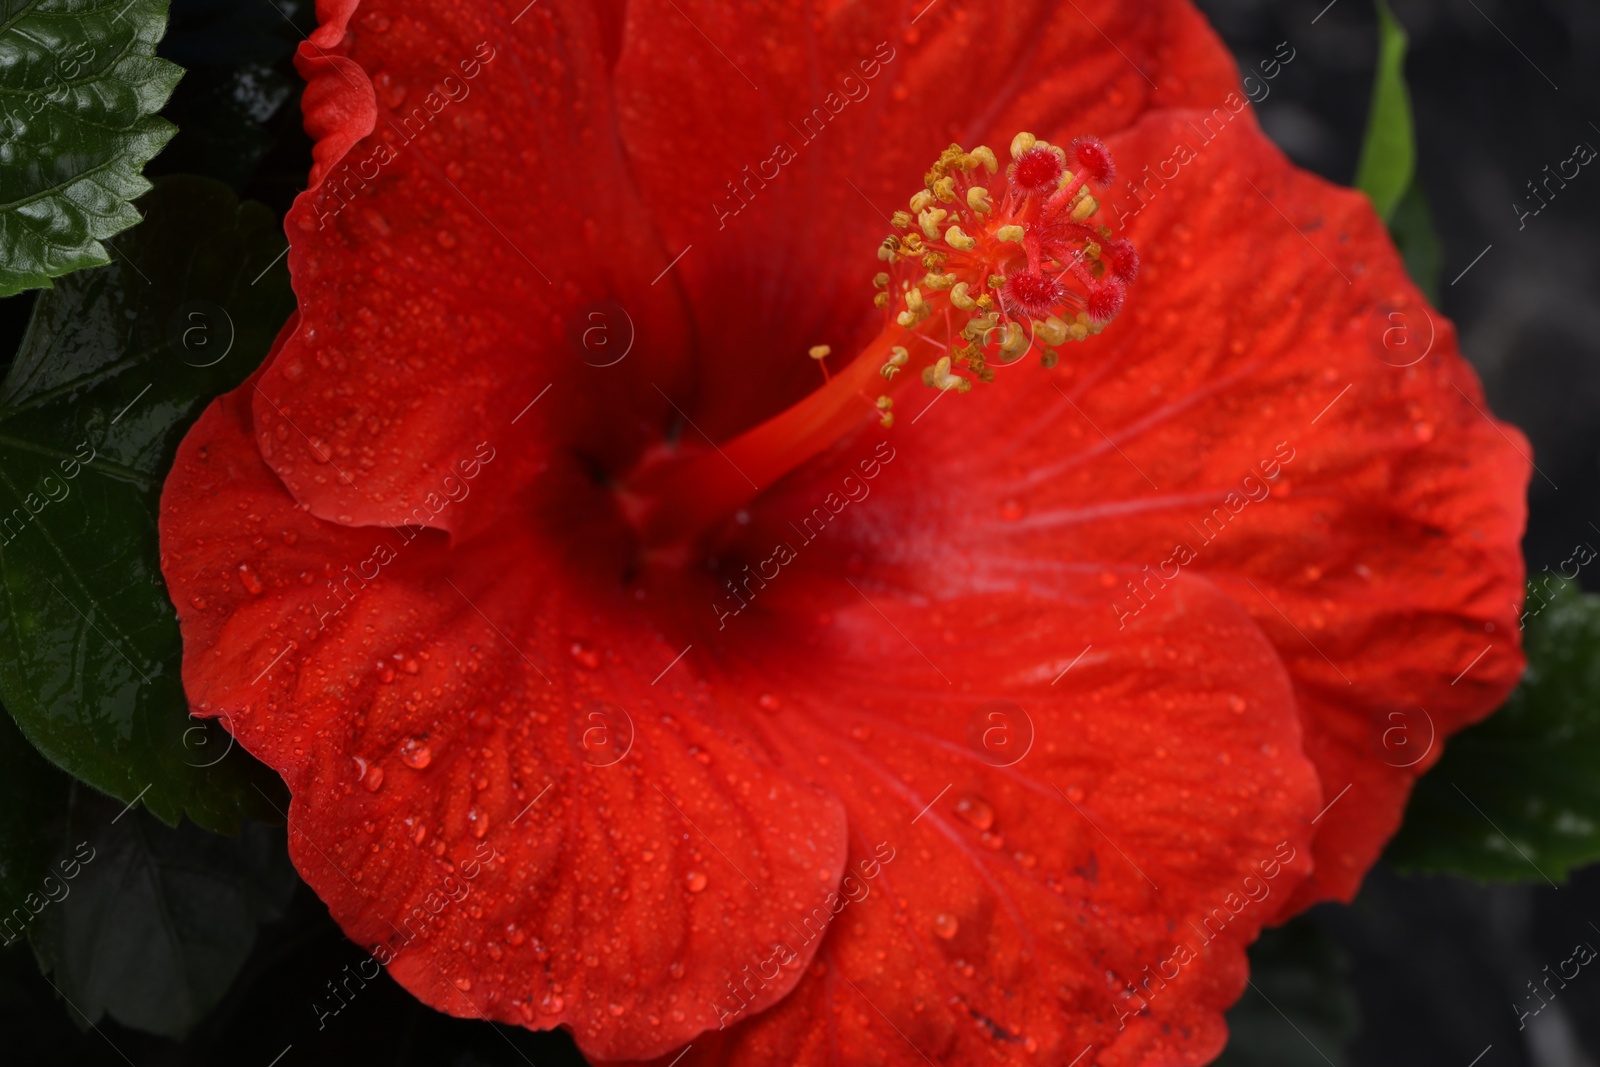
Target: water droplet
[[585, 656], [975, 812], [696, 881], [675, 969], [372, 778], [494, 950], [514, 934], [945, 925], [199, 603], [479, 822], [1011, 511], [463, 984], [454, 171], [768, 702], [319, 449], [416, 753], [617, 1009], [247, 576], [551, 1004], [445, 238]]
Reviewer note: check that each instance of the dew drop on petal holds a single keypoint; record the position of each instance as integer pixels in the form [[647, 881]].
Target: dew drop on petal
[[463, 984], [248, 577], [551, 1004], [975, 812], [696, 881], [945, 925], [414, 751], [676, 969]]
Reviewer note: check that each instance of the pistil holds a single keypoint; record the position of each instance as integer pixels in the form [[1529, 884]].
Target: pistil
[[980, 271]]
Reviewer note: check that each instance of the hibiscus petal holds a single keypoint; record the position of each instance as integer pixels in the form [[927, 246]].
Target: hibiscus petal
[[787, 134], [471, 227], [489, 790], [1044, 811], [1250, 404]]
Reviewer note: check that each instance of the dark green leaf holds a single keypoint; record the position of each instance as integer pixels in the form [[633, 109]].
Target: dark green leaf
[[1413, 233], [80, 86], [1299, 1008], [32, 794], [115, 366], [156, 921], [1517, 797], [1388, 153]]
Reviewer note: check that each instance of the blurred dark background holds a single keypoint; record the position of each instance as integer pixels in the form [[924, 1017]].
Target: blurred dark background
[[1418, 970]]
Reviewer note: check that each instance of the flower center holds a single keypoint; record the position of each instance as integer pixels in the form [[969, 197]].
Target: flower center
[[981, 270]]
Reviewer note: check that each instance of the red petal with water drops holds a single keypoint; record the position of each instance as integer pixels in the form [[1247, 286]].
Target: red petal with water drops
[[459, 260], [1047, 814], [496, 788], [1254, 403]]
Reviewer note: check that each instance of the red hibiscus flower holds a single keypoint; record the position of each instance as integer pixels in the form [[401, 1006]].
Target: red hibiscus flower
[[630, 677]]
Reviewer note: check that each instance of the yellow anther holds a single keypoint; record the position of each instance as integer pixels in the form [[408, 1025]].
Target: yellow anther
[[939, 377], [901, 220], [1078, 331], [880, 280], [1049, 358], [1091, 251], [1060, 153], [985, 155], [1021, 143], [1051, 331], [959, 240], [820, 351], [945, 189], [921, 202], [1066, 178], [996, 280], [897, 359], [978, 200], [885, 403], [929, 220], [985, 302], [887, 420], [886, 250], [1009, 233], [916, 309], [979, 325], [939, 281], [960, 298], [881, 300], [1015, 342], [1086, 207]]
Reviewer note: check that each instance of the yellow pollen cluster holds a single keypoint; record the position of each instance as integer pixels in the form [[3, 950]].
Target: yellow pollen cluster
[[999, 263]]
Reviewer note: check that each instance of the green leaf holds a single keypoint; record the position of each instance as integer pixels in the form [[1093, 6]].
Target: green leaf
[[34, 794], [80, 86], [1388, 153], [1299, 1008], [155, 922], [1413, 233], [115, 366], [1517, 797]]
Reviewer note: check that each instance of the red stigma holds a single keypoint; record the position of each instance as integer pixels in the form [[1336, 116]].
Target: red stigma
[[1037, 171], [1033, 293], [1105, 300], [1094, 158], [1122, 260]]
